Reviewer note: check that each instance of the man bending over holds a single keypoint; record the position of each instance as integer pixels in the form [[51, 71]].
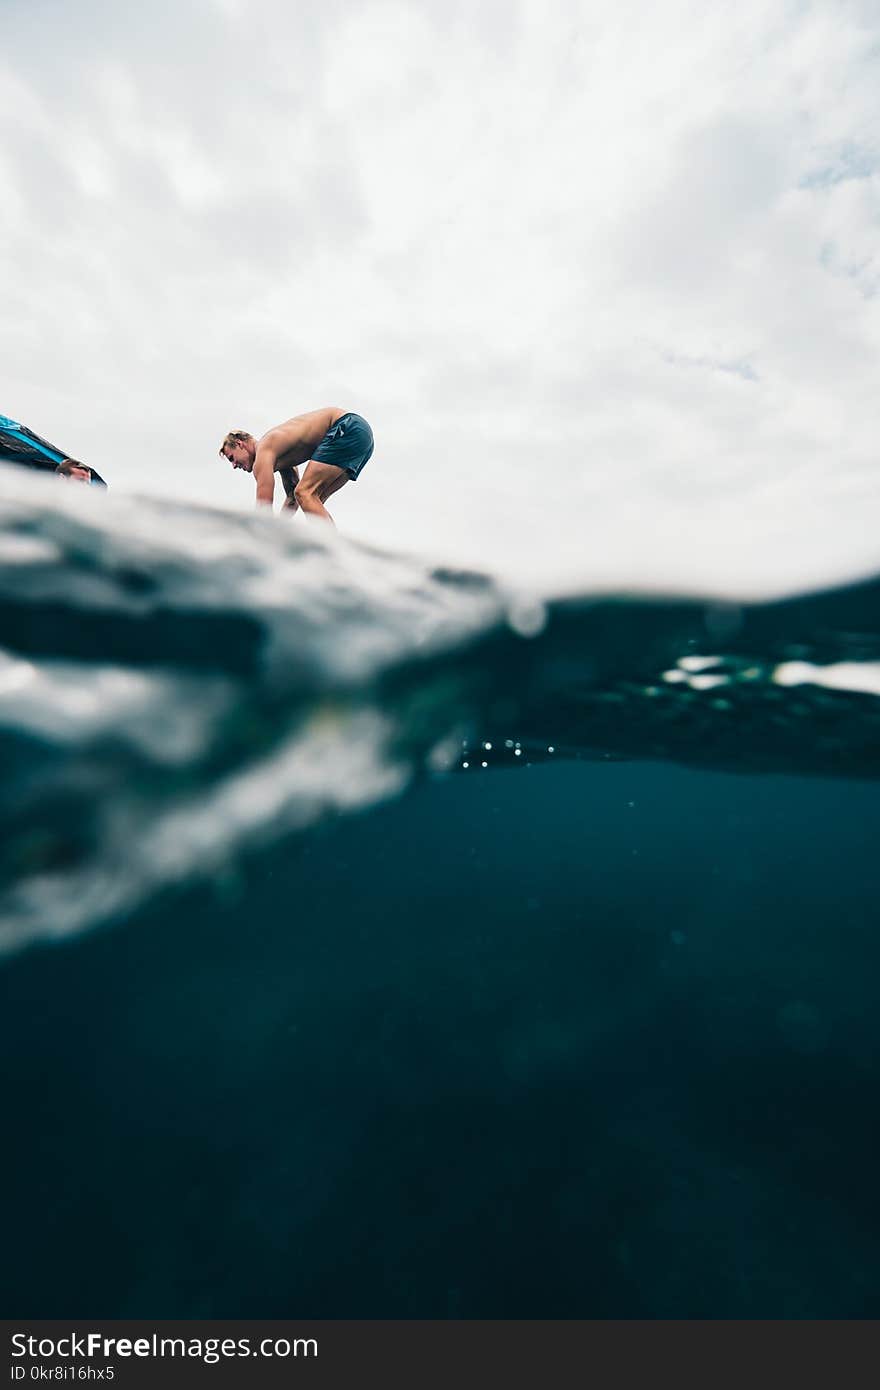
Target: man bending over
[[336, 444]]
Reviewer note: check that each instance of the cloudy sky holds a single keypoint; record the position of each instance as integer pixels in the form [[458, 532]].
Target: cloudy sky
[[603, 275]]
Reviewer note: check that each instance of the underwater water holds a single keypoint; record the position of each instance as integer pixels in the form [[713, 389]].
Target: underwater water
[[381, 943]]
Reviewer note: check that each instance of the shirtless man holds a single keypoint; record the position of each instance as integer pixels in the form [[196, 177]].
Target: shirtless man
[[335, 443]]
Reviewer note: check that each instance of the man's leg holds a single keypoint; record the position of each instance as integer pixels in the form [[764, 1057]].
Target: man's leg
[[319, 482]]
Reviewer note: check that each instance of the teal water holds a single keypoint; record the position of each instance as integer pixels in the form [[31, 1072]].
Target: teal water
[[302, 1017]]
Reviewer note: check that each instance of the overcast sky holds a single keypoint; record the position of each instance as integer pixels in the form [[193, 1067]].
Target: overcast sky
[[602, 274]]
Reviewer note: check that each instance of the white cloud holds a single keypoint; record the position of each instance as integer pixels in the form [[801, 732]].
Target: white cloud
[[603, 277]]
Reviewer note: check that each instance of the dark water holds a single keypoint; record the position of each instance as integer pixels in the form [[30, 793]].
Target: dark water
[[583, 1033]]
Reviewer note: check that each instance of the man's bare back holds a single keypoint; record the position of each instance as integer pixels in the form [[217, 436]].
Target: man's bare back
[[335, 443], [297, 439]]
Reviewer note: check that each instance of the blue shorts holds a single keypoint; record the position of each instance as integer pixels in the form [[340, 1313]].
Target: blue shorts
[[347, 444]]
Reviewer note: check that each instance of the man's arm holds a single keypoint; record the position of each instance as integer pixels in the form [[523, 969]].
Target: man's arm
[[264, 472], [290, 478]]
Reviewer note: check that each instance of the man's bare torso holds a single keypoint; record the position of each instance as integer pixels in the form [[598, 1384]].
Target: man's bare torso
[[298, 438]]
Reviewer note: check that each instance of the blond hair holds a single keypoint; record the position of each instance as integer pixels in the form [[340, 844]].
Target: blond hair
[[234, 437]]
